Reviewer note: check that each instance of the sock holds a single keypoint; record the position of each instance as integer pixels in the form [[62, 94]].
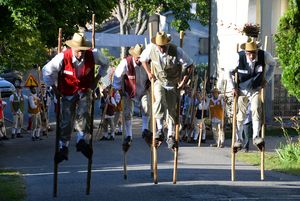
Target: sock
[[159, 124], [145, 120], [80, 135], [128, 128], [256, 128], [65, 144]]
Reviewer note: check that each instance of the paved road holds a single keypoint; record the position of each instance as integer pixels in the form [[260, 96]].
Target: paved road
[[203, 173]]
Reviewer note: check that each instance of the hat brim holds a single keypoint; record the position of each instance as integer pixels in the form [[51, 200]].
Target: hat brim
[[132, 52], [153, 40], [71, 44], [243, 45]]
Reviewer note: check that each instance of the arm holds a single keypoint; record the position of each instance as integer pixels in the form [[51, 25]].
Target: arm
[[145, 58], [101, 60], [269, 60], [119, 73], [51, 69], [31, 102], [187, 66]]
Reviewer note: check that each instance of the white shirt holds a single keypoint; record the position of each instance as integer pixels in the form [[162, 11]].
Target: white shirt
[[270, 66], [51, 69], [31, 102], [184, 60], [140, 77]]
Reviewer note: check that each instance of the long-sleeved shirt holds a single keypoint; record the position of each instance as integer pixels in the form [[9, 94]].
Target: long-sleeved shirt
[[270, 66], [141, 77], [52, 68], [184, 60]]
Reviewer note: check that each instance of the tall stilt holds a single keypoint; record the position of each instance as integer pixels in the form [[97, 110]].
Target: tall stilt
[[202, 112], [57, 124], [154, 148], [90, 160]]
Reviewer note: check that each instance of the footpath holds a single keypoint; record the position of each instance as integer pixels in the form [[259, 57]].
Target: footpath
[[204, 173]]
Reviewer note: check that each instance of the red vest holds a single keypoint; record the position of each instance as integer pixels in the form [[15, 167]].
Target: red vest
[[68, 82], [129, 78], [1, 109]]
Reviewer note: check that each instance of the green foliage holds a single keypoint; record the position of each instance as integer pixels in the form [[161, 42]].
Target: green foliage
[[28, 27], [12, 187], [288, 48], [289, 152]]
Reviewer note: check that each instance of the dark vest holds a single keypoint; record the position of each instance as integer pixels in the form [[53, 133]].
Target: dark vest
[[130, 78], [245, 73]]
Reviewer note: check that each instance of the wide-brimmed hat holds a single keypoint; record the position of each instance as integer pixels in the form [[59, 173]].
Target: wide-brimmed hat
[[250, 45], [136, 51], [78, 42], [161, 39]]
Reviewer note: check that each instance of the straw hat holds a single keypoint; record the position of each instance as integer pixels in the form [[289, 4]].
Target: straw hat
[[161, 38], [78, 42], [251, 44], [136, 51]]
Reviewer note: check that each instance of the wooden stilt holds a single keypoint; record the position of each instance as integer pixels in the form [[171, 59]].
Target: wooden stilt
[[57, 124], [203, 103], [177, 126]]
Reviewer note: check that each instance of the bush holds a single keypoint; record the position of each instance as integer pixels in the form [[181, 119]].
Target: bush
[[288, 48]]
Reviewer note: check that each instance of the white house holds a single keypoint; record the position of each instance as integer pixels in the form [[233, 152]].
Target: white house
[[227, 19]]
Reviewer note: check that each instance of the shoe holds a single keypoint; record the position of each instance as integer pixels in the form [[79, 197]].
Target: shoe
[[13, 136], [61, 155], [111, 138], [50, 129], [203, 141], [4, 138], [118, 133], [221, 145], [33, 138], [127, 143], [84, 148], [246, 150], [104, 138], [19, 135], [184, 138], [38, 138], [213, 145], [259, 142], [238, 144], [159, 137], [171, 143], [44, 133], [147, 135]]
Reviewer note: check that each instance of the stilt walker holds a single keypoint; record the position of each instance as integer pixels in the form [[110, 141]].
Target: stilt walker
[[90, 160], [223, 115], [177, 125], [57, 123], [202, 112]]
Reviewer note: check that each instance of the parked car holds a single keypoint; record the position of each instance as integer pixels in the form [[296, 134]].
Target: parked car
[[13, 76], [6, 88]]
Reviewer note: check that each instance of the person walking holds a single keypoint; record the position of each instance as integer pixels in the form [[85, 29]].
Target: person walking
[[71, 74], [17, 109], [133, 76], [172, 68], [254, 68], [34, 109]]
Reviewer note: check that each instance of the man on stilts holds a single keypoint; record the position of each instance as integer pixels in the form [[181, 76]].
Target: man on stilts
[[71, 76], [170, 64], [131, 72], [255, 68]]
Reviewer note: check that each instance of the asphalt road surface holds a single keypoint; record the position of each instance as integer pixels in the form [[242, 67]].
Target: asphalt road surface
[[203, 173]]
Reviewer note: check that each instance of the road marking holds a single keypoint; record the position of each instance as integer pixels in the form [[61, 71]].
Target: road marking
[[43, 174]]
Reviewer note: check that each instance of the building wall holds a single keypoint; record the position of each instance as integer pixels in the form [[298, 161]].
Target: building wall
[[228, 16]]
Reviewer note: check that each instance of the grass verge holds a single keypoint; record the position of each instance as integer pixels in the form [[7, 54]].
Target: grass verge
[[272, 162], [12, 187]]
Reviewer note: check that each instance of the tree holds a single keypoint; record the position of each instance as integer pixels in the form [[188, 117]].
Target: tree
[[137, 12], [29, 27], [288, 48]]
